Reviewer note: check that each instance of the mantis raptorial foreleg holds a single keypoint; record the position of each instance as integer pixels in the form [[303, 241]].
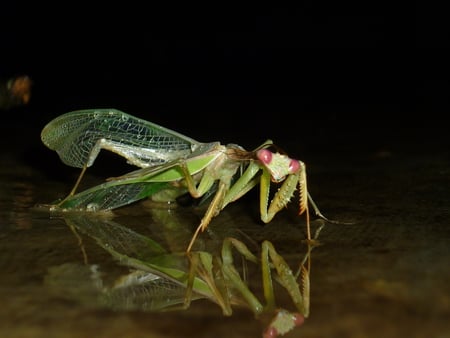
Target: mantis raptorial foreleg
[[285, 321], [283, 196], [270, 258]]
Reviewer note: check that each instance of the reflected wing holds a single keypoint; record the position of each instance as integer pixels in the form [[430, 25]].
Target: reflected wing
[[158, 294], [115, 237], [78, 137], [138, 251]]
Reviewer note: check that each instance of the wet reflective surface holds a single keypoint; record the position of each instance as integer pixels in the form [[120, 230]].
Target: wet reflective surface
[[385, 275]]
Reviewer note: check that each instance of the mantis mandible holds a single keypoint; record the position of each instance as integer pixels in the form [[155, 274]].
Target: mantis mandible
[[171, 164]]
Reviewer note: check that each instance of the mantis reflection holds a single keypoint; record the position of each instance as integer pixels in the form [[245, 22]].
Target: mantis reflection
[[163, 275]]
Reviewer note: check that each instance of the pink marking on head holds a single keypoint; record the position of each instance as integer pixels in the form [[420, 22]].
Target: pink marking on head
[[298, 319], [271, 332], [264, 155], [294, 166]]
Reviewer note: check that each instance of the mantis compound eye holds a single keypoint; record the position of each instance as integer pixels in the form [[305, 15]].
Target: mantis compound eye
[[278, 165], [294, 166], [264, 155]]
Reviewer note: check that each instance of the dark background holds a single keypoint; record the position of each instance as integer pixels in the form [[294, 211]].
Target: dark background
[[320, 75]]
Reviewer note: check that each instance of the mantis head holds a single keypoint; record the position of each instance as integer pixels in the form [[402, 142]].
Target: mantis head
[[278, 165]]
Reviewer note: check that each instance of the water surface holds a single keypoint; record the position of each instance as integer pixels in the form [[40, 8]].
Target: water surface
[[384, 275]]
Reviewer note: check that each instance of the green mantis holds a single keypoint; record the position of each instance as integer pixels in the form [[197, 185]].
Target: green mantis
[[202, 274], [171, 164]]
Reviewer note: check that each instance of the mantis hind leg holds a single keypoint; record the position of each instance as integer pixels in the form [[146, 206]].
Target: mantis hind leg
[[75, 187], [77, 183]]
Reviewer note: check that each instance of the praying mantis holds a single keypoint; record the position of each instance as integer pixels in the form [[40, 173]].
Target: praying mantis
[[171, 165]]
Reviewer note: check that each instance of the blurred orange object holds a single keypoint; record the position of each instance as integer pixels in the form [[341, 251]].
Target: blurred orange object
[[15, 91]]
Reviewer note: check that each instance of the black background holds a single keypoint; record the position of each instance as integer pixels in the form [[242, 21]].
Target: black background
[[319, 74]]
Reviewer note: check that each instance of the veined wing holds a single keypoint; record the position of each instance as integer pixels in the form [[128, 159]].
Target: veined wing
[[141, 183], [118, 192], [79, 136], [110, 195]]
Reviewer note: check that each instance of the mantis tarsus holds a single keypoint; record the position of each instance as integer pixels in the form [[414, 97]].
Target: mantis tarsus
[[171, 165]]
